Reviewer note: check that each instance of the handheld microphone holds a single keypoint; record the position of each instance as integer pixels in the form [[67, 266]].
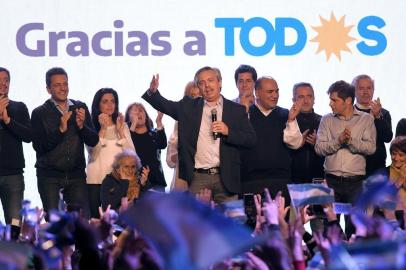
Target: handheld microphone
[[216, 135]]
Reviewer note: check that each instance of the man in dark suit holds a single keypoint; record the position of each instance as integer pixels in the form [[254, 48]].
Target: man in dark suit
[[206, 160]]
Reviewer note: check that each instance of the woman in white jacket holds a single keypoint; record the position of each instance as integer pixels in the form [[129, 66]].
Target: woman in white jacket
[[114, 138]]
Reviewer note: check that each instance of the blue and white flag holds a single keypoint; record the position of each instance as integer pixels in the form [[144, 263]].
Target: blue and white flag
[[307, 194], [368, 255], [379, 191], [186, 233], [234, 210]]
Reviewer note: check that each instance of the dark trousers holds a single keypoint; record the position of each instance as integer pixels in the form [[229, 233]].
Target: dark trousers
[[74, 191], [346, 190], [11, 195], [273, 185], [94, 199]]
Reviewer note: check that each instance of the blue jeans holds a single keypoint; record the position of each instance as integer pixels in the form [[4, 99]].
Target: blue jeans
[[11, 195], [74, 191]]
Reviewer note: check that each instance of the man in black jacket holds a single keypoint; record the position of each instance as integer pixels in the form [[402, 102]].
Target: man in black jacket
[[15, 127], [60, 127], [364, 92], [268, 164], [209, 146], [306, 164]]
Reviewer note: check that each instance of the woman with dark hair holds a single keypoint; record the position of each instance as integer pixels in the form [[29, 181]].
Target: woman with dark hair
[[148, 141], [397, 173], [114, 138]]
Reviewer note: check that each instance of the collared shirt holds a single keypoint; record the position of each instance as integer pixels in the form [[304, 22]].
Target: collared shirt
[[208, 150], [346, 160], [68, 103], [362, 107], [292, 136]]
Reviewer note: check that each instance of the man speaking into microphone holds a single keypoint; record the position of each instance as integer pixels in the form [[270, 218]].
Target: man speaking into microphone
[[212, 129]]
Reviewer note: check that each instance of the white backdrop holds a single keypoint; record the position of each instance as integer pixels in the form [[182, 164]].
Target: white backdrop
[[130, 75]]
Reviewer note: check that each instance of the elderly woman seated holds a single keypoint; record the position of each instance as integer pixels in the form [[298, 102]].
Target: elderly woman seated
[[127, 180]]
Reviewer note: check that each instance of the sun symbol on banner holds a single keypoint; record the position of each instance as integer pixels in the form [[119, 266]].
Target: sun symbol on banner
[[333, 36]]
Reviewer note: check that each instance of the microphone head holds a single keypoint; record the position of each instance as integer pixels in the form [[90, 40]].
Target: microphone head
[[213, 111]]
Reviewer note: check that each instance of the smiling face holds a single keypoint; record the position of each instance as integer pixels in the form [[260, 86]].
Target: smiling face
[[209, 85], [245, 84], [267, 94], [107, 104], [398, 159], [59, 88]]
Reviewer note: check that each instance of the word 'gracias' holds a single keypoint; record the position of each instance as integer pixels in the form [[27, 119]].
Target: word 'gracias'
[[103, 43]]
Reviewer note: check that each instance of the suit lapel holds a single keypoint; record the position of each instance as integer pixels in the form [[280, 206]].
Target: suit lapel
[[226, 111], [197, 119]]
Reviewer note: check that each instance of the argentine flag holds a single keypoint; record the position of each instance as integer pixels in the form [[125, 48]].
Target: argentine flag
[[307, 194]]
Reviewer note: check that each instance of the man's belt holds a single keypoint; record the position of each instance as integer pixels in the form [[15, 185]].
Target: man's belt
[[214, 170], [345, 178]]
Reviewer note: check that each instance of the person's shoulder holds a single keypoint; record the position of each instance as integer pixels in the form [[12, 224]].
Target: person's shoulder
[[109, 179], [317, 116], [403, 121], [366, 116], [17, 104], [189, 101], [43, 107], [78, 103], [385, 112], [233, 104], [281, 111], [327, 116]]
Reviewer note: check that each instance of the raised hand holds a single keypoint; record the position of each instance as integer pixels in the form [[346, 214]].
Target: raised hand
[[4, 101], [304, 213], [304, 137], [270, 209], [255, 262], [103, 120], [376, 107], [295, 110], [63, 125], [260, 219], [144, 175], [154, 84], [80, 117], [4, 116], [311, 138], [159, 120], [345, 136], [120, 125]]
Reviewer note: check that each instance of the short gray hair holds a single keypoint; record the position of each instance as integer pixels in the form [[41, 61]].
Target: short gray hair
[[356, 80], [207, 68], [126, 153], [301, 84]]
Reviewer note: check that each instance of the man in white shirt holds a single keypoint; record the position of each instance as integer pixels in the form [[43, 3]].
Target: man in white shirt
[[206, 160]]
